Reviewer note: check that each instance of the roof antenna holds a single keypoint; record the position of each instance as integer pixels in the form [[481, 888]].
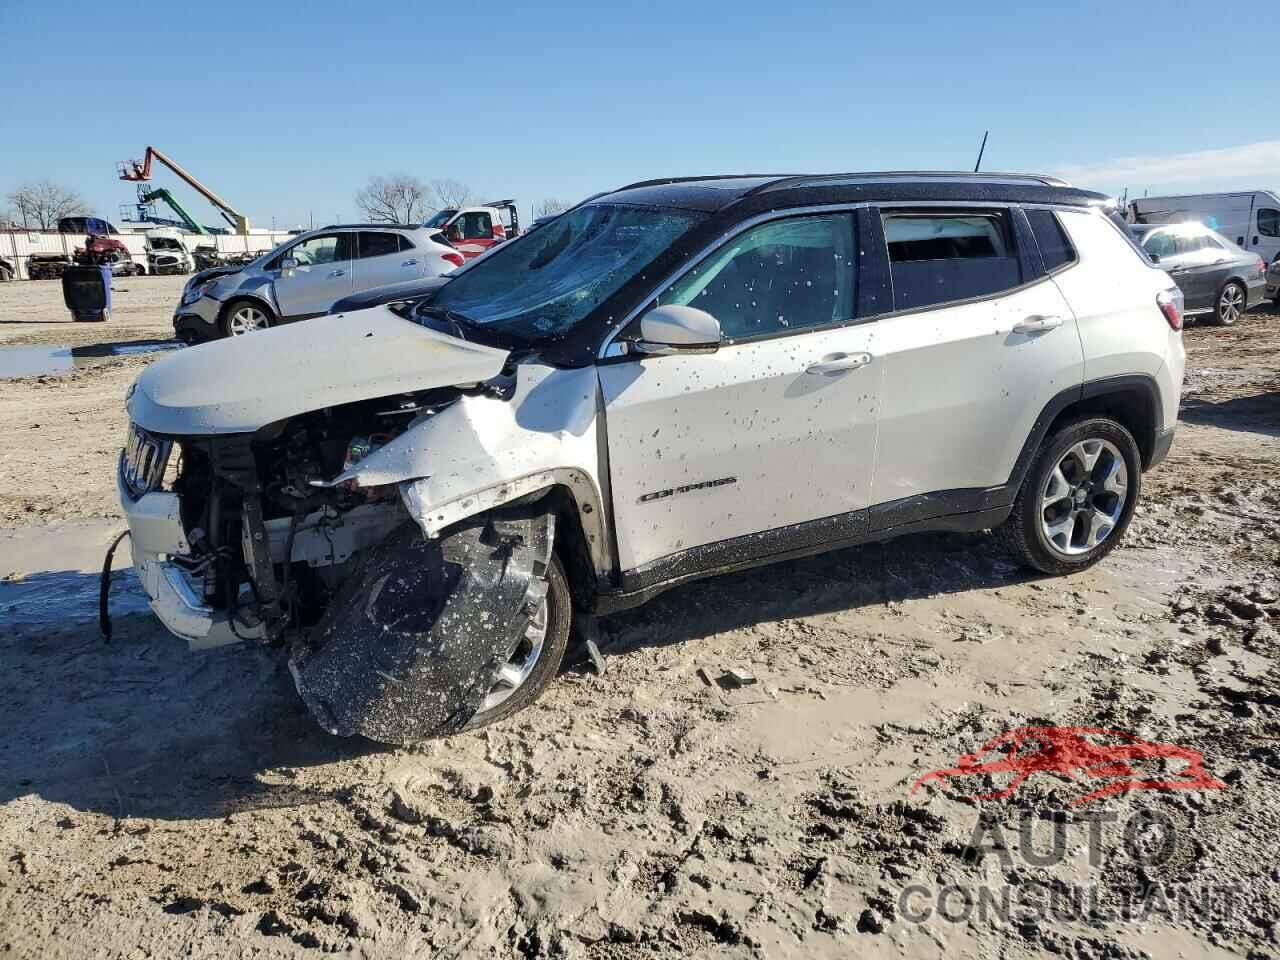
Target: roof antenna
[[981, 150]]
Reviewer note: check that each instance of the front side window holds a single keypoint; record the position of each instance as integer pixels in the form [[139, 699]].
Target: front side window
[[377, 244], [1055, 247], [477, 226], [1160, 243], [326, 248], [941, 257], [776, 277], [1269, 222], [539, 286]]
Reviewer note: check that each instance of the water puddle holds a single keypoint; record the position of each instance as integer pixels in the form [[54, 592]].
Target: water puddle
[[50, 575], [41, 361]]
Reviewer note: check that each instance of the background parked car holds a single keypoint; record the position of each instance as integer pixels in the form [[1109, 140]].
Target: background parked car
[[304, 277], [1273, 283], [1215, 276], [1249, 218]]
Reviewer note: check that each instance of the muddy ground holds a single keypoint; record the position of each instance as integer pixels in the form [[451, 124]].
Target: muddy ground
[[160, 803]]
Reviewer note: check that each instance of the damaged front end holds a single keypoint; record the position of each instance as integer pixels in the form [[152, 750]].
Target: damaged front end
[[246, 536]]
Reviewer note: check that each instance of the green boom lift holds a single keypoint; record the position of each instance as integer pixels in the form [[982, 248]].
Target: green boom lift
[[160, 193]]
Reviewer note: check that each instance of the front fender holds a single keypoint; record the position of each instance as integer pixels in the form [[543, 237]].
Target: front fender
[[482, 451]]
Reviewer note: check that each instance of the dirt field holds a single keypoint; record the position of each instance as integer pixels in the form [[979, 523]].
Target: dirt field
[[158, 803]]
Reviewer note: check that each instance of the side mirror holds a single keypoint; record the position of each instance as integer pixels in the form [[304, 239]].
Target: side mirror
[[1154, 258], [677, 330], [287, 266]]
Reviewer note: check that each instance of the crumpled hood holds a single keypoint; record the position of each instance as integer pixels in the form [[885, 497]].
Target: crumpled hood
[[242, 383]]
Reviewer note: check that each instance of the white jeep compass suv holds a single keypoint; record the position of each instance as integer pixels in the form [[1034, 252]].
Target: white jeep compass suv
[[674, 380]]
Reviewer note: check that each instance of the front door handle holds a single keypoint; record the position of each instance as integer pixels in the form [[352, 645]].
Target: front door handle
[[338, 273], [1037, 324], [834, 363], [409, 263]]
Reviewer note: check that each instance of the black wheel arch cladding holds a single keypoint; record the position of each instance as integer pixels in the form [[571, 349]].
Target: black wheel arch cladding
[[411, 644]]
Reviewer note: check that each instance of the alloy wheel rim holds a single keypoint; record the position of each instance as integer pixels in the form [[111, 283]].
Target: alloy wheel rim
[[1230, 304], [246, 320], [1084, 497], [513, 674]]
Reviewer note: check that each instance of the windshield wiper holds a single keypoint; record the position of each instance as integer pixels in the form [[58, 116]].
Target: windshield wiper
[[457, 321]]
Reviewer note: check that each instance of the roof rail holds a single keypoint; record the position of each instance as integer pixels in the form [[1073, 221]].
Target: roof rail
[[800, 180], [663, 181], [367, 226]]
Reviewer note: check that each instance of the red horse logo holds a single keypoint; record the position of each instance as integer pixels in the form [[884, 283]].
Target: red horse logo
[[1076, 753]]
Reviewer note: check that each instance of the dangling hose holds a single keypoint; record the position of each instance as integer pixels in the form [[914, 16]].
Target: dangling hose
[[104, 588]]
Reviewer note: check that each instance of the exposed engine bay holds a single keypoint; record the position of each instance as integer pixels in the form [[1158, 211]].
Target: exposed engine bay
[[398, 643], [249, 501]]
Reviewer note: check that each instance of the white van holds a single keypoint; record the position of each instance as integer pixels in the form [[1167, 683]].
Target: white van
[[1250, 218]]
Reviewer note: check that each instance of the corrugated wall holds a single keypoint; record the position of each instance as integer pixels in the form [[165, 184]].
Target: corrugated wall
[[17, 247]]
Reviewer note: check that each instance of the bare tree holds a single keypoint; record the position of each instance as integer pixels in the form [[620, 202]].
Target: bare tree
[[549, 207], [40, 206], [452, 193], [397, 198]]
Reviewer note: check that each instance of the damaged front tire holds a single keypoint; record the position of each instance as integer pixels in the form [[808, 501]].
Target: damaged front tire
[[432, 637]]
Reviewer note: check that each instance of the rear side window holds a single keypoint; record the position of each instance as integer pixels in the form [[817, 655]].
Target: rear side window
[[405, 243], [1269, 222], [1055, 247], [378, 244], [941, 257]]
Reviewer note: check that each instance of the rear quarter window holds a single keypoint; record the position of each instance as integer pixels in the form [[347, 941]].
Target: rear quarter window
[[943, 256], [1055, 246]]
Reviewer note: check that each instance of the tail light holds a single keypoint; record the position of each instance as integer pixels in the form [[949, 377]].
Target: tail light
[[1262, 267], [453, 257], [1170, 304]]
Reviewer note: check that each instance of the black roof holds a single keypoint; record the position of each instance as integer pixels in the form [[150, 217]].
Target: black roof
[[715, 193]]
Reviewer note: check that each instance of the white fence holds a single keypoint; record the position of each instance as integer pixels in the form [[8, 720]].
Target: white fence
[[18, 246]]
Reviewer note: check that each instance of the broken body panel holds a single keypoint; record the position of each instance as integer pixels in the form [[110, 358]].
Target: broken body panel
[[411, 635]]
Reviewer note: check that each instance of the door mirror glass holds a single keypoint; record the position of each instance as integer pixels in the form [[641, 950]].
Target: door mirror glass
[[675, 329], [287, 266]]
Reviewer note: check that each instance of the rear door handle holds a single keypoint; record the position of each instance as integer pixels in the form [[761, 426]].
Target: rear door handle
[[338, 273], [1037, 324], [409, 263], [834, 363]]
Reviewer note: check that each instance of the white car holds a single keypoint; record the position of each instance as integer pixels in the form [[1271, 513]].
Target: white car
[[675, 380], [303, 277]]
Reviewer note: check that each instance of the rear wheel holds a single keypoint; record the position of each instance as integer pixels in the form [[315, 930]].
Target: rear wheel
[[244, 316], [1076, 501], [1231, 304]]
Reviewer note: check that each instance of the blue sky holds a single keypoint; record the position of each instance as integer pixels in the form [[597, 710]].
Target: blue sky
[[286, 109]]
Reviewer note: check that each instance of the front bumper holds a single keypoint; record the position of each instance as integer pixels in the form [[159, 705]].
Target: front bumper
[[175, 596], [198, 322]]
